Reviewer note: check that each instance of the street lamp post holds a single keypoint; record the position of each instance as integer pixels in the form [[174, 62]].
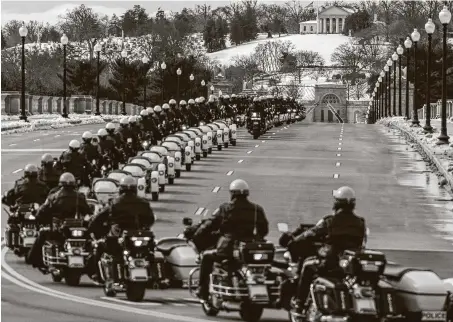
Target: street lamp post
[[375, 104], [163, 66], [378, 101], [124, 55], [389, 64], [381, 96], [203, 83], [97, 49], [429, 28], [399, 51], [394, 58], [145, 61], [178, 73], [408, 45], [386, 93], [64, 40], [415, 38], [191, 78], [23, 31], [212, 89], [444, 17]]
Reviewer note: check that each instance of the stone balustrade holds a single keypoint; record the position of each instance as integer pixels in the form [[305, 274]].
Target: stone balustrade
[[76, 104], [436, 109]]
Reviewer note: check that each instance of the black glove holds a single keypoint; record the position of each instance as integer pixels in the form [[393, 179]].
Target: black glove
[[285, 239]]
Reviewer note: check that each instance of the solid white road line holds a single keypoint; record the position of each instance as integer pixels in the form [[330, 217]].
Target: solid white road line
[[240, 161], [229, 173], [129, 303], [199, 211], [13, 144], [18, 170], [33, 150], [336, 176], [216, 189]]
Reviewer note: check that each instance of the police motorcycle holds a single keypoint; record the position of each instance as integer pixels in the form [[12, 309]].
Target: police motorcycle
[[206, 139], [365, 287], [193, 136], [175, 151], [247, 283], [256, 125], [131, 273], [22, 229], [197, 135], [158, 164], [225, 132], [117, 175], [143, 170]]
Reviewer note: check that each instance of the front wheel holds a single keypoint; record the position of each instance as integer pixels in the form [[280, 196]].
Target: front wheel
[[178, 173], [209, 150], [162, 188], [219, 148], [226, 144], [208, 309], [233, 143], [198, 157], [72, 277], [188, 167], [108, 290], [155, 196], [251, 312], [135, 291], [171, 180], [255, 136], [56, 278], [205, 154]]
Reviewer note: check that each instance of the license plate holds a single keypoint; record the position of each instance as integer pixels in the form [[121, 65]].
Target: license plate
[[365, 306], [29, 241], [76, 261], [258, 293], [434, 316], [139, 274]]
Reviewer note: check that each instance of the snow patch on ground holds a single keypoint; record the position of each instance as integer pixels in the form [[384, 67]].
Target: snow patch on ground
[[325, 45]]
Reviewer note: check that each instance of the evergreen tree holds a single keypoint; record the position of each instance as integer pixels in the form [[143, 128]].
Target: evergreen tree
[[127, 79], [357, 21], [209, 35], [3, 41], [236, 31]]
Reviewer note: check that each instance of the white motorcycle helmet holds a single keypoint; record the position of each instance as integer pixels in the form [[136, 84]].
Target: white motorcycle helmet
[[144, 113], [74, 145], [124, 121], [102, 133], [172, 102], [110, 127], [132, 119], [183, 103], [150, 110], [191, 102], [87, 136], [166, 106], [157, 109]]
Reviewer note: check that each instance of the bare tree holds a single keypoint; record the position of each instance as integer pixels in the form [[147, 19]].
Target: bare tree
[[268, 55]]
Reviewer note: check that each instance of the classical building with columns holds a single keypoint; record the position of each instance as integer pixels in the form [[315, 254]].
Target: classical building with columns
[[330, 21]]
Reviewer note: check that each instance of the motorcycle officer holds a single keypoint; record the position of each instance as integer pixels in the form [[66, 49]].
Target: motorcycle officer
[[48, 173], [107, 150], [87, 149], [112, 134], [237, 220], [124, 131], [73, 161], [126, 212], [342, 230], [66, 202]]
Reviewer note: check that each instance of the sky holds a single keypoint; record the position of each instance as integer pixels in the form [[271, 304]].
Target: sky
[[48, 11]]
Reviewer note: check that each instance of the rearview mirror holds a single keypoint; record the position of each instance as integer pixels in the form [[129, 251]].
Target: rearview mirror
[[283, 227], [187, 221]]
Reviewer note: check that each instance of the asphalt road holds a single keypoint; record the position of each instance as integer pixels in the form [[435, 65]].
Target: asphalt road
[[291, 173]]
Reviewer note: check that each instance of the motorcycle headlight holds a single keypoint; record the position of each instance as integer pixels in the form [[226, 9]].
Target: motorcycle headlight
[[138, 243], [287, 256], [259, 257], [30, 233], [77, 233], [104, 168], [145, 144]]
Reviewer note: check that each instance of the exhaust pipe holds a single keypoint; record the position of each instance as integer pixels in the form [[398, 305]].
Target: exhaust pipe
[[231, 306]]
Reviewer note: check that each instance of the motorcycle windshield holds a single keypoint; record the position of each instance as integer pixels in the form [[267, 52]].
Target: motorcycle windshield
[[152, 156], [171, 146], [136, 171], [105, 191], [143, 162], [161, 150], [117, 176]]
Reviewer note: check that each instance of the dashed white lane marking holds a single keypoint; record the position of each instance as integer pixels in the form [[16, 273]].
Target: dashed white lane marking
[[36, 140], [240, 161], [337, 164], [340, 143], [263, 141], [336, 176], [199, 211], [128, 303], [273, 133], [216, 189], [58, 135], [248, 152], [229, 173], [338, 154], [13, 144], [341, 139], [339, 149], [18, 170], [257, 145]]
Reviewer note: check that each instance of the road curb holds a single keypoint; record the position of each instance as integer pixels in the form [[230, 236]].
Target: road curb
[[426, 150]]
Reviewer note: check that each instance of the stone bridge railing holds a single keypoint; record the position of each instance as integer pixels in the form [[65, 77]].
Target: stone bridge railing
[[76, 104], [436, 108]]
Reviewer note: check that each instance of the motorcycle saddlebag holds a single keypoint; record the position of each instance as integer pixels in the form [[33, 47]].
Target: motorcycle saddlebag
[[416, 290], [182, 260], [12, 237]]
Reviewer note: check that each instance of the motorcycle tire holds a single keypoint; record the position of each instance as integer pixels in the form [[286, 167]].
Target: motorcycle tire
[[225, 145], [250, 312], [155, 196], [209, 150], [162, 188], [188, 167], [135, 291], [171, 180], [109, 292], [208, 309], [178, 173], [233, 143], [72, 277], [255, 137], [198, 157], [219, 148], [205, 154], [56, 278]]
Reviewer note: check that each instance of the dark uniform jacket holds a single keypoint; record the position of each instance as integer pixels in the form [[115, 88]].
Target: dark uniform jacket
[[90, 151], [64, 203], [128, 211], [239, 220], [50, 176], [73, 162], [26, 191]]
